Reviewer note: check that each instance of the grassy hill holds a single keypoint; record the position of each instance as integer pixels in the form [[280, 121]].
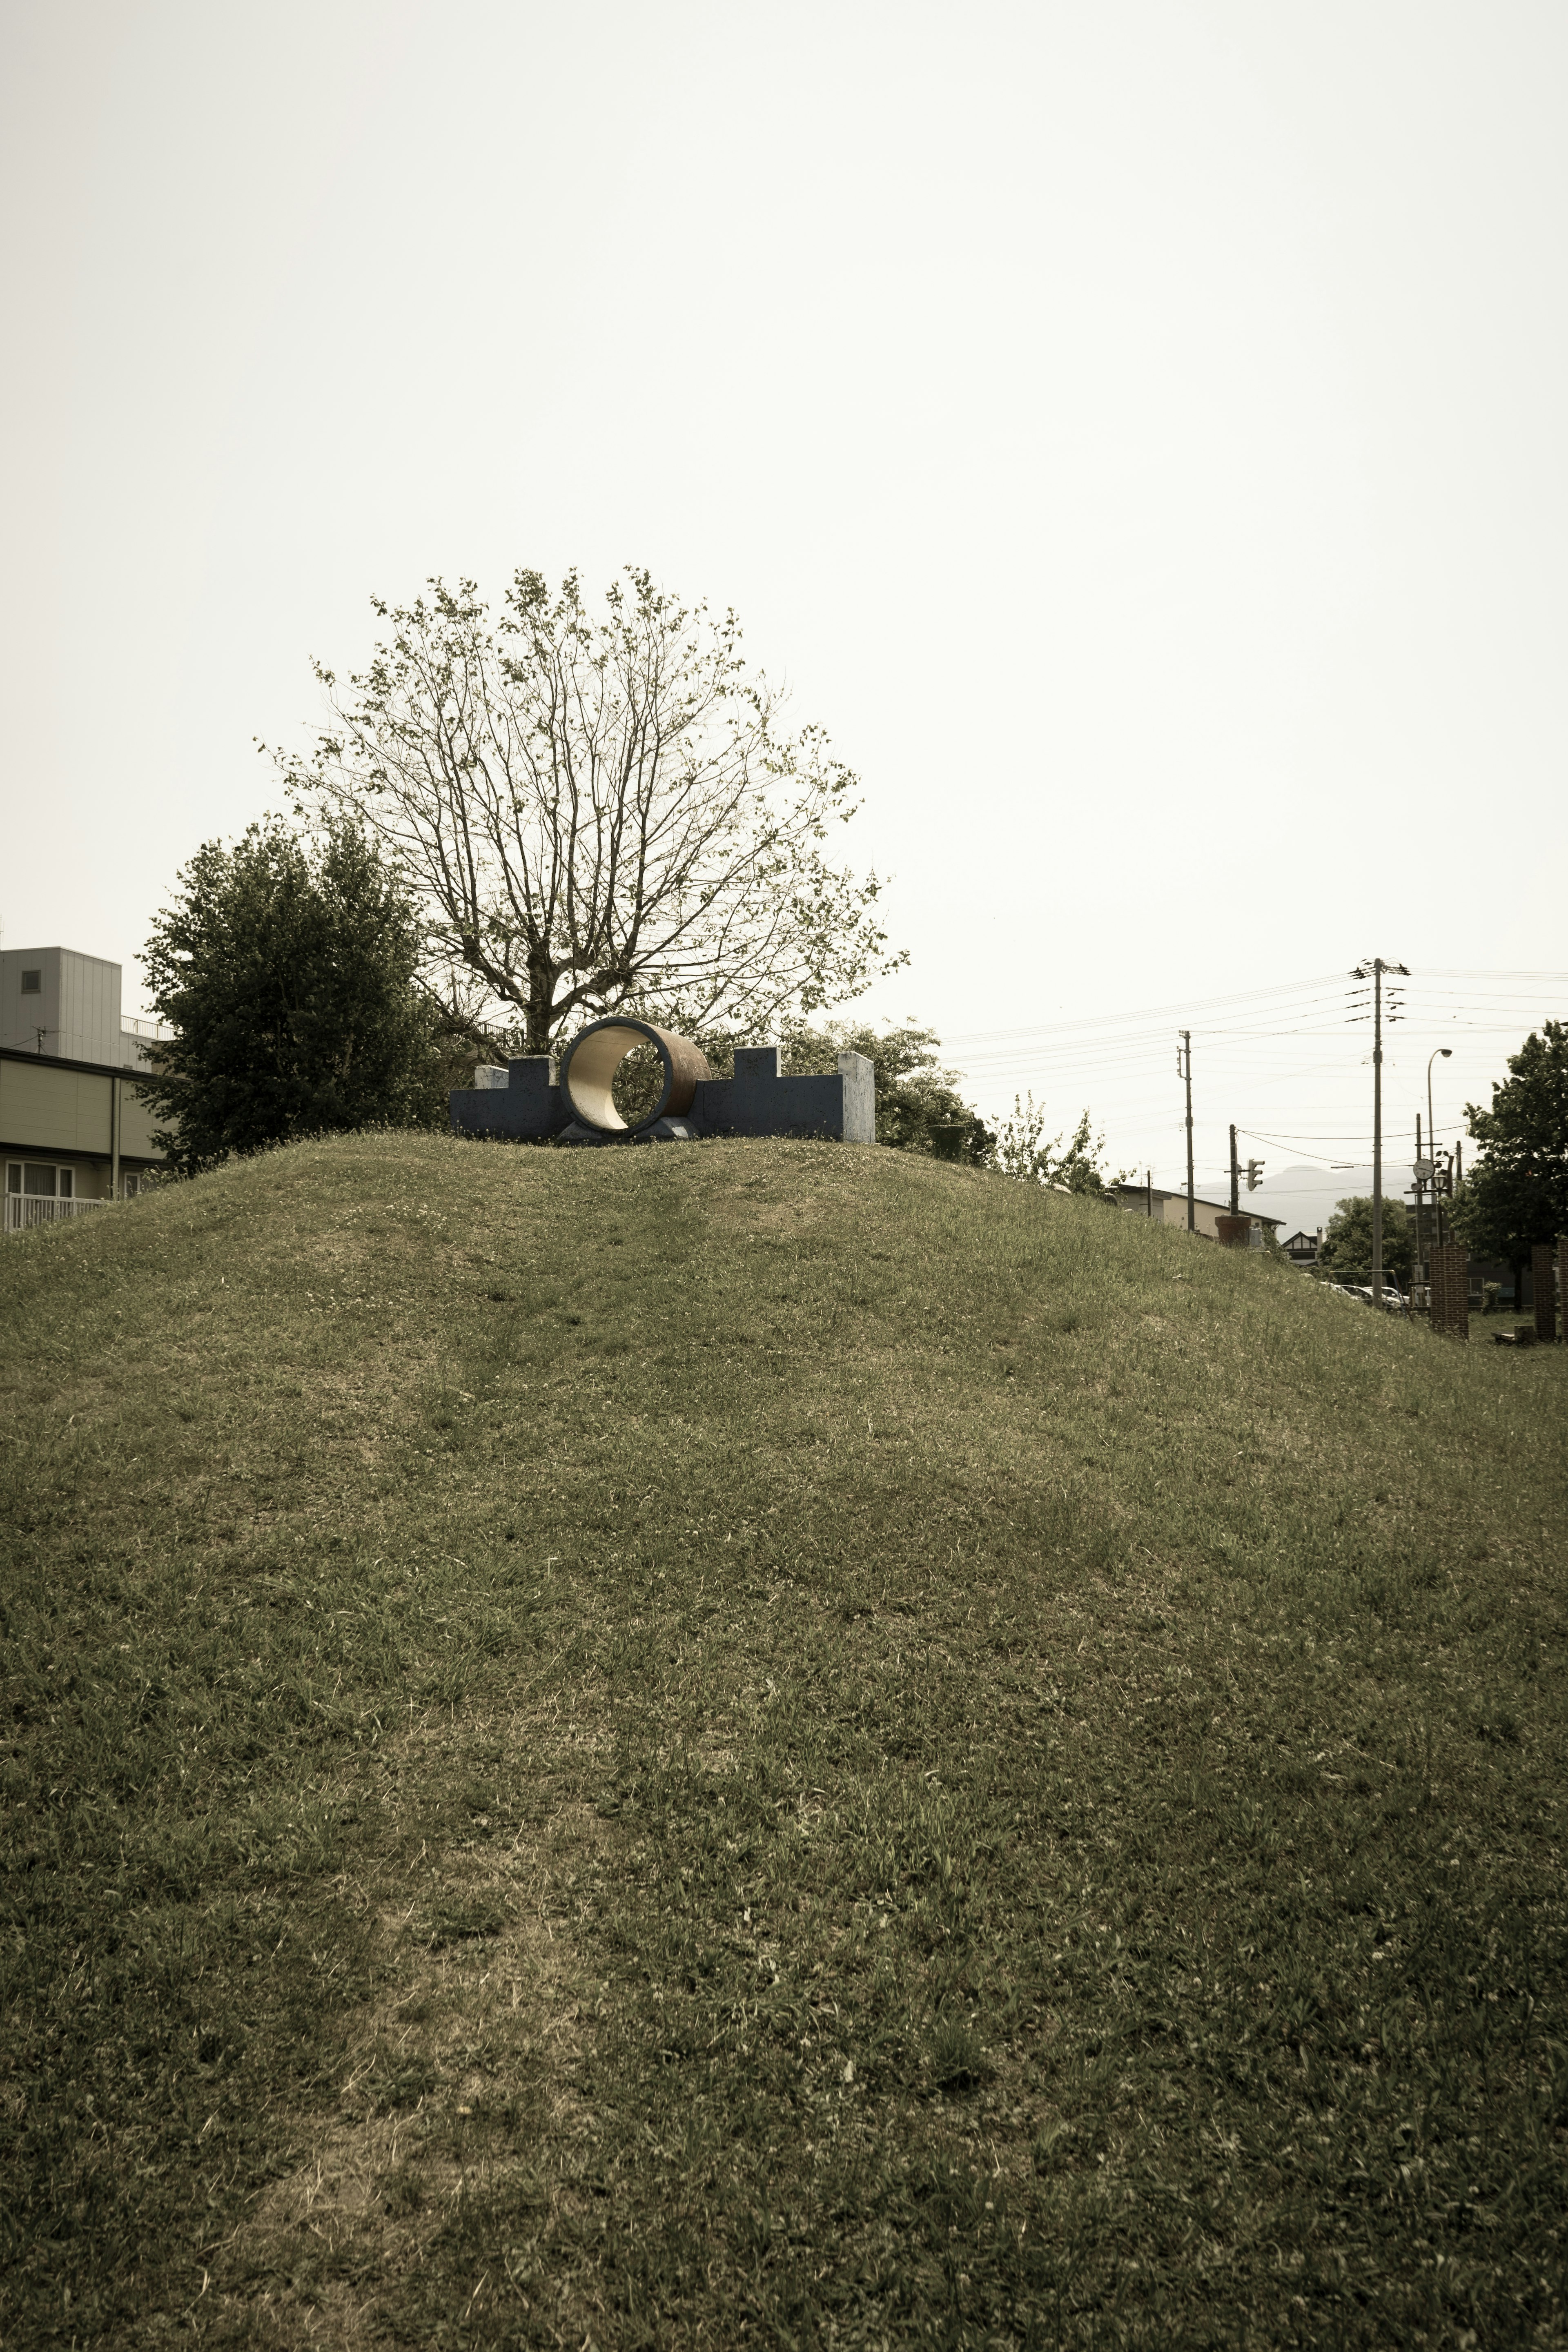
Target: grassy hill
[[765, 1744]]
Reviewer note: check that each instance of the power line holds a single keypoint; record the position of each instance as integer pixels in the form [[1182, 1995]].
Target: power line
[[1114, 1058], [1141, 1014], [1446, 971], [1135, 1018]]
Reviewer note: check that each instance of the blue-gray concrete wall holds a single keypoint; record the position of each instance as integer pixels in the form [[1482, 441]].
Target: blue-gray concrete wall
[[756, 1101], [759, 1100], [525, 1110]]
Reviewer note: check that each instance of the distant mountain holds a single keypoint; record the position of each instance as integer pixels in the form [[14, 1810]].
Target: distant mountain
[[1307, 1197]]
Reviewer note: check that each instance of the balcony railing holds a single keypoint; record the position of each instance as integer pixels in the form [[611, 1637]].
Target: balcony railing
[[23, 1209]]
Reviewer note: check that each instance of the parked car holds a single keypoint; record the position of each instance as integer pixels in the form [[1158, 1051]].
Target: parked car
[[1394, 1299]]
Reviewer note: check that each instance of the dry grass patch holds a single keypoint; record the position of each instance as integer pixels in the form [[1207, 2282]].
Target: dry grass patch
[[471, 2044]]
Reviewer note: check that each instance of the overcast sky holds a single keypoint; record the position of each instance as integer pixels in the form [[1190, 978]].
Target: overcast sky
[[1136, 431]]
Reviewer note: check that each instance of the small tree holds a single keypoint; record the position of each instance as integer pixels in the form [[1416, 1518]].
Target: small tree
[[1516, 1193], [1023, 1152], [1347, 1239], [598, 814], [286, 972]]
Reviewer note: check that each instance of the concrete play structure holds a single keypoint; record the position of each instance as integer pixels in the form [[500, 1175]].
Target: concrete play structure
[[523, 1104]]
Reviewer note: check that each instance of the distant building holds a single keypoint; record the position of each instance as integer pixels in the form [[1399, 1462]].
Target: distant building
[[1171, 1209], [74, 1129], [1301, 1249]]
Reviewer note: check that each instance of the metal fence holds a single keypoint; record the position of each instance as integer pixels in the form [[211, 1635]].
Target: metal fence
[[22, 1209]]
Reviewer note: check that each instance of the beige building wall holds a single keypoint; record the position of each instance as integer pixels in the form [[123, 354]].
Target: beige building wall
[[1206, 1214], [76, 1005], [89, 1008], [136, 1124], [47, 1110], [65, 1117], [1205, 1220]]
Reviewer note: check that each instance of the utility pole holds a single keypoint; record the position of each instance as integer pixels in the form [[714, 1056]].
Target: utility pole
[[1447, 1052], [1373, 968], [1235, 1179], [1184, 1053]]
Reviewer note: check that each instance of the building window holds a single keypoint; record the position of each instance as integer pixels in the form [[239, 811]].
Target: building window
[[39, 1183], [33, 982]]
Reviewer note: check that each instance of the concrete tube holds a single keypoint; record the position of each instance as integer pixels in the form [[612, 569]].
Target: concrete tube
[[589, 1065]]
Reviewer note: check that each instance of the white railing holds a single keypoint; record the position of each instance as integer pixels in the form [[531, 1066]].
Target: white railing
[[23, 1209]]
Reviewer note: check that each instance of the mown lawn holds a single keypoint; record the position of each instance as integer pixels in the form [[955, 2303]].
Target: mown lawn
[[765, 1744]]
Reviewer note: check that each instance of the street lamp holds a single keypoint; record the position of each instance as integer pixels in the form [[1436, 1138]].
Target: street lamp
[[1432, 1142]]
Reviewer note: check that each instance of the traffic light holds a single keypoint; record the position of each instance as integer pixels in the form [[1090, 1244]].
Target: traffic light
[[1254, 1174]]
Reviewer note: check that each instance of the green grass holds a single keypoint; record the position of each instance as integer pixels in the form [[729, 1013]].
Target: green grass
[[765, 1744]]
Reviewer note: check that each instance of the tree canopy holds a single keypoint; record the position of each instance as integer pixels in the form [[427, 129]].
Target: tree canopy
[[599, 814], [1516, 1195], [286, 970], [1347, 1238]]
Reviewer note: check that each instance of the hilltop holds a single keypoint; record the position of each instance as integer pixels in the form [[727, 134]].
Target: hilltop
[[766, 1743]]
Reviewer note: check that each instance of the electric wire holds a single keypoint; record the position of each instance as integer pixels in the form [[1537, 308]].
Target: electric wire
[[1115, 1057]]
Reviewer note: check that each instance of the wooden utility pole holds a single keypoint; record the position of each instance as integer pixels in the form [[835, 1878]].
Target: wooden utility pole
[[1373, 969], [1235, 1179], [1185, 1068]]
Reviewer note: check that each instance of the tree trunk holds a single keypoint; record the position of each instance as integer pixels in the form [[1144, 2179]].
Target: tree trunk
[[541, 1003]]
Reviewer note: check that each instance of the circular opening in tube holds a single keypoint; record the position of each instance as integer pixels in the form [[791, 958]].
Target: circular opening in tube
[[638, 1085], [588, 1073]]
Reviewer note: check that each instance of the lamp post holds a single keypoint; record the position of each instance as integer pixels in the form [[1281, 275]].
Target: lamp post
[[1432, 1143]]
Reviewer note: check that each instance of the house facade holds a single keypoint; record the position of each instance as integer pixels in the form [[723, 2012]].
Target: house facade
[[74, 1130], [1171, 1209]]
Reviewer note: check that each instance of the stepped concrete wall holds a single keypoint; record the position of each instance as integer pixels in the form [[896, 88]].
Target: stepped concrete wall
[[524, 1105]]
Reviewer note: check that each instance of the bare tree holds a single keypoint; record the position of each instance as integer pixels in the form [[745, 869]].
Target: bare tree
[[598, 814]]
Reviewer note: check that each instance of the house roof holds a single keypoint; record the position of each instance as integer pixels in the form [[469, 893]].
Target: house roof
[[1201, 1200]]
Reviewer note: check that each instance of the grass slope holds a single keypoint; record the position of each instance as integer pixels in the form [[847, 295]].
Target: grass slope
[[765, 1744]]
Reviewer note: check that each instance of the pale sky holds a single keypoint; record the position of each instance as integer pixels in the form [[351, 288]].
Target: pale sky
[[1135, 432]]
